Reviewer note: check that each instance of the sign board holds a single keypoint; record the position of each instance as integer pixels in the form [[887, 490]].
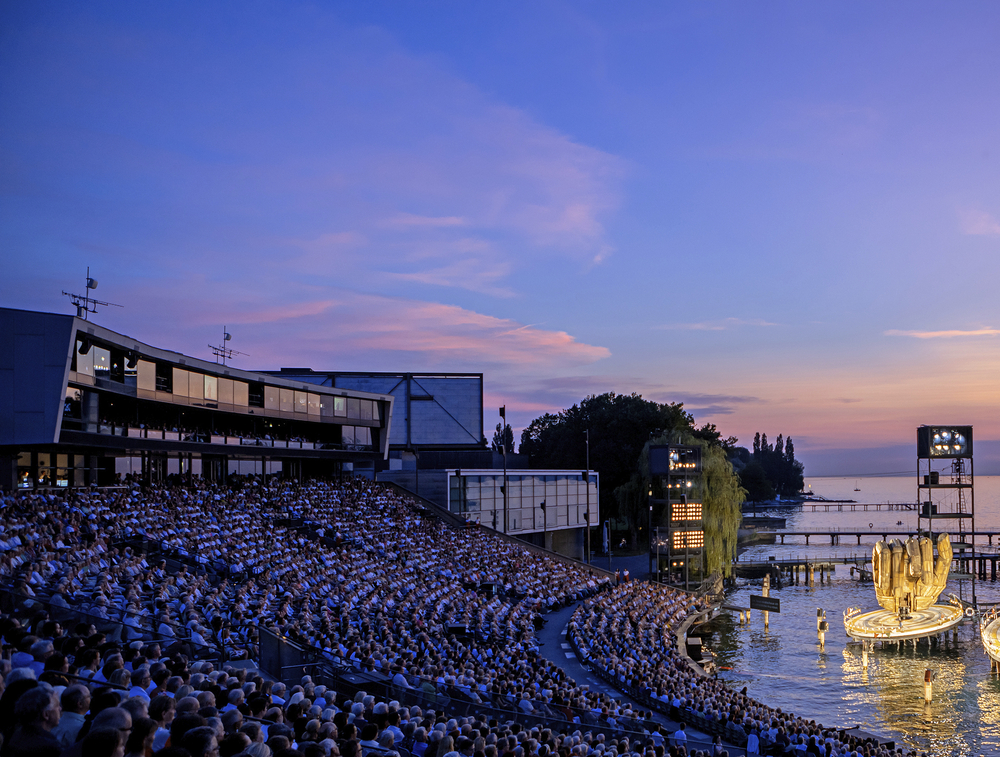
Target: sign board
[[765, 603]]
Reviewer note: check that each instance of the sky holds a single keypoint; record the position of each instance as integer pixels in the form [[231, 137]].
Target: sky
[[784, 215]]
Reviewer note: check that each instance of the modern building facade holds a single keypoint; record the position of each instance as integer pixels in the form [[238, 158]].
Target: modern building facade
[[81, 404]]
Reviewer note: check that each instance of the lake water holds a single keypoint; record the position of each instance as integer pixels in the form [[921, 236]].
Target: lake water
[[786, 668]]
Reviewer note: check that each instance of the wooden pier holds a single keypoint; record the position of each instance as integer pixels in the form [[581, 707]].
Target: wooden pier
[[963, 564], [835, 535]]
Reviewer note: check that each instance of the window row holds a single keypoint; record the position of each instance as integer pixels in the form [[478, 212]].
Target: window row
[[115, 364]]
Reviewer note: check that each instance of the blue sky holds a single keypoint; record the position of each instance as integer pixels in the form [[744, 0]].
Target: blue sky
[[785, 215]]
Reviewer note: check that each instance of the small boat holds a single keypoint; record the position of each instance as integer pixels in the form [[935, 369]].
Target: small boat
[[856, 487]]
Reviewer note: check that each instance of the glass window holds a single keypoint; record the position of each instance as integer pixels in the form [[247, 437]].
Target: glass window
[[212, 388], [180, 383], [241, 394], [71, 406], [146, 376], [301, 402], [363, 436], [313, 403], [226, 391], [271, 401], [286, 400], [340, 406], [353, 407], [347, 434], [102, 362], [84, 362], [196, 386], [325, 405], [366, 410]]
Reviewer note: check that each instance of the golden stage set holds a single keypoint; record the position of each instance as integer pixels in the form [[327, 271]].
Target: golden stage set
[[989, 632], [908, 581]]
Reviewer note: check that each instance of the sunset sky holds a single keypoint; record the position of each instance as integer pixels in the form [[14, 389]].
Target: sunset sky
[[784, 215]]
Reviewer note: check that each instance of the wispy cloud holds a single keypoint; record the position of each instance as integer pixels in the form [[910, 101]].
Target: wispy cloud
[[409, 220], [947, 334], [978, 223], [474, 274], [721, 325]]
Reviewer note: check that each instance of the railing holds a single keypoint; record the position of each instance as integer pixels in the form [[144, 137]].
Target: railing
[[113, 626], [233, 440]]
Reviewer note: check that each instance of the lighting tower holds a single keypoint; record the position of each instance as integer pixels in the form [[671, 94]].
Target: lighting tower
[[679, 467], [946, 489]]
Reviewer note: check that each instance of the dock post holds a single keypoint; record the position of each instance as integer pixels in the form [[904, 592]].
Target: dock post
[[928, 685], [766, 592], [864, 655]]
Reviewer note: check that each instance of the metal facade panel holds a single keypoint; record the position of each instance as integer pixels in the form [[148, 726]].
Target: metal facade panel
[[441, 411], [33, 372], [453, 417]]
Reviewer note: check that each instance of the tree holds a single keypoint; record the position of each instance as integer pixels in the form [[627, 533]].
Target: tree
[[503, 440], [721, 499], [780, 468], [754, 480], [620, 425]]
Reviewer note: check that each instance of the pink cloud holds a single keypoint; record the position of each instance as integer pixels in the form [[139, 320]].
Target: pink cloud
[[946, 334], [978, 223]]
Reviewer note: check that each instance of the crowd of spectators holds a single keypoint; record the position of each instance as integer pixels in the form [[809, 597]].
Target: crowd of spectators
[[355, 571], [629, 634]]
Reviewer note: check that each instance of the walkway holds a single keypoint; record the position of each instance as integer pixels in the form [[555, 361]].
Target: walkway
[[557, 650]]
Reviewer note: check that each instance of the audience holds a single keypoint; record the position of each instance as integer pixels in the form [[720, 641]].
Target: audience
[[366, 577]]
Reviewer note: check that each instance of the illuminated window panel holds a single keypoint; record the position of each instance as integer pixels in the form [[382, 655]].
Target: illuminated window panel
[[688, 539], [690, 511]]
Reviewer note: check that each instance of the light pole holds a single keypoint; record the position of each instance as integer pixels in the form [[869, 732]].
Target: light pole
[[607, 529], [545, 523], [649, 532], [503, 454]]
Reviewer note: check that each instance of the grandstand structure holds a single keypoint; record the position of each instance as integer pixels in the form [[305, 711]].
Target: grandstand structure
[[364, 608], [82, 405]]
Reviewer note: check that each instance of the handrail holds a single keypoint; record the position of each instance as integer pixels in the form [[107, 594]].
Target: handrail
[[109, 626]]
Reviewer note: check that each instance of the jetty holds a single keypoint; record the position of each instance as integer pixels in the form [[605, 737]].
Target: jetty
[[836, 534]]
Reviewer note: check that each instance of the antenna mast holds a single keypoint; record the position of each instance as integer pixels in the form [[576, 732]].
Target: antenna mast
[[85, 303], [222, 352]]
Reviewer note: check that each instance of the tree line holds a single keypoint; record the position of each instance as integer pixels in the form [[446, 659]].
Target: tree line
[[769, 471], [622, 428]]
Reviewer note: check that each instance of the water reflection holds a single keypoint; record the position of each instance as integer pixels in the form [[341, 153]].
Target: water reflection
[[785, 667]]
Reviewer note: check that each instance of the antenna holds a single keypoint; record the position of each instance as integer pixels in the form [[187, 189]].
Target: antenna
[[222, 352], [84, 302]]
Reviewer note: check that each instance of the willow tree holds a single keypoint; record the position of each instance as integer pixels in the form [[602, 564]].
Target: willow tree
[[721, 497]]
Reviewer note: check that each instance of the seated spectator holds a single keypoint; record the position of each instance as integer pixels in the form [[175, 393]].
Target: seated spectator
[[37, 713]]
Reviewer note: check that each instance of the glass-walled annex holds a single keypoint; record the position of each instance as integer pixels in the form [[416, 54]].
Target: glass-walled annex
[[478, 496]]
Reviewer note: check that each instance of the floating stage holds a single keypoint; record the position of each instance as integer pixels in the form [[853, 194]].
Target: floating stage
[[989, 632], [888, 625]]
